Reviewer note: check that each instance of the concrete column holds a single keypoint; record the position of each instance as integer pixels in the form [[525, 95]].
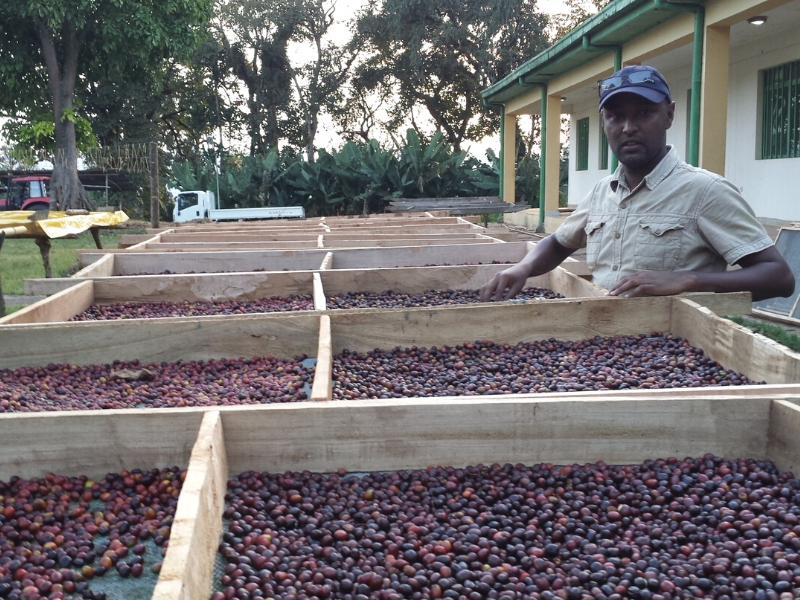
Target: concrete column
[[553, 156], [509, 157], [714, 99]]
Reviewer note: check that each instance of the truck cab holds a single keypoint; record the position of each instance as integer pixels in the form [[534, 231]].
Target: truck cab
[[27, 193], [192, 205]]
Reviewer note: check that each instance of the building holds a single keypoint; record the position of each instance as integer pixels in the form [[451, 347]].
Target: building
[[743, 55]]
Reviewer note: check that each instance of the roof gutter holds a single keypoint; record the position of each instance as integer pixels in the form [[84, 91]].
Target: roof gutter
[[693, 153]]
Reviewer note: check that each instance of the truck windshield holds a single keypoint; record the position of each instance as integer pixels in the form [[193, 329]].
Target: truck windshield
[[17, 193], [186, 201]]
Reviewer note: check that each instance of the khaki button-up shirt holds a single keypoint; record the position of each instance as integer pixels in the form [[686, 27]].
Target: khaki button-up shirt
[[679, 218]]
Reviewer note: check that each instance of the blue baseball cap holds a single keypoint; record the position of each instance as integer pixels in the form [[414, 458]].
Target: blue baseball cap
[[641, 80]]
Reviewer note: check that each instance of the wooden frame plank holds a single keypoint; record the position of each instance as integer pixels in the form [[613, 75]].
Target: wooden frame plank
[[374, 435], [99, 268], [156, 340], [326, 262], [570, 285], [362, 330], [194, 536], [369, 258], [319, 294], [61, 306], [144, 243], [227, 246], [275, 260], [217, 238], [784, 435], [734, 346], [95, 442], [47, 287], [391, 243], [415, 279], [203, 286], [166, 288], [322, 390]]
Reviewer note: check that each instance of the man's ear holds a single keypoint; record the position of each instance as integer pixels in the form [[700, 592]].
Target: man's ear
[[670, 114]]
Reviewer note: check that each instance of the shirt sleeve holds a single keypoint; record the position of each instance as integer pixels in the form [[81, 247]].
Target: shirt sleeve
[[728, 224], [572, 232]]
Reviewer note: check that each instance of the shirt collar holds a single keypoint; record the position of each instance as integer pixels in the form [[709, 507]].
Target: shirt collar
[[654, 177]]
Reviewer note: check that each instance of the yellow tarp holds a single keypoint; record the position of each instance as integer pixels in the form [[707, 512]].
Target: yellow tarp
[[17, 223]]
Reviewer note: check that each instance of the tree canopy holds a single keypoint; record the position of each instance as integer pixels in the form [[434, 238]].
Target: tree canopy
[[52, 49], [438, 56]]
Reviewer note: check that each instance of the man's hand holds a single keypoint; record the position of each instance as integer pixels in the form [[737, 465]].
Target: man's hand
[[654, 283], [505, 284], [543, 258]]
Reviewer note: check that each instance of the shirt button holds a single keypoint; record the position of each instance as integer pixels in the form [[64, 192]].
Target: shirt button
[[615, 268], [617, 235], [623, 206]]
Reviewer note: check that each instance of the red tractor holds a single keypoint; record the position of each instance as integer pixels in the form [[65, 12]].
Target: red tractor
[[27, 193]]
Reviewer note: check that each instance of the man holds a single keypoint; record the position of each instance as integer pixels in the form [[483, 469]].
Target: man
[[657, 226]]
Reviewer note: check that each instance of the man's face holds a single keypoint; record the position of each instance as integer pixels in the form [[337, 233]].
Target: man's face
[[637, 128]]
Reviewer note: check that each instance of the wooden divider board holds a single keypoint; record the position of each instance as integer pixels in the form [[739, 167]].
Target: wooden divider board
[[356, 243], [223, 246], [365, 329], [194, 535], [59, 307], [175, 238], [202, 286], [156, 340], [323, 372], [104, 267], [734, 346], [95, 442], [207, 262], [375, 435], [326, 262], [368, 258], [319, 293]]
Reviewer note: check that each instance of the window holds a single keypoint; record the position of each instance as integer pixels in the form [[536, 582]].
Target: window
[[187, 201], [603, 165], [780, 112], [582, 160]]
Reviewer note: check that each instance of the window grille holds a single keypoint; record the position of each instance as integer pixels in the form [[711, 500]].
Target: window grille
[[780, 112], [582, 161]]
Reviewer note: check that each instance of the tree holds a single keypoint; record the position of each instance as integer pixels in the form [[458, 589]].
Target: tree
[[318, 83], [254, 36], [51, 46], [440, 55], [577, 12]]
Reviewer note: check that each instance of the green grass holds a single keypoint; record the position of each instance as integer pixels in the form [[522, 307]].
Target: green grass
[[14, 308], [20, 258], [773, 332]]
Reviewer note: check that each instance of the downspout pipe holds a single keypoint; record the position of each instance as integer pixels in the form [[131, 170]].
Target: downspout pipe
[[693, 153], [587, 45]]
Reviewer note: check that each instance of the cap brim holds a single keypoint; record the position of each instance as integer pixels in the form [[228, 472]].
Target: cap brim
[[645, 92]]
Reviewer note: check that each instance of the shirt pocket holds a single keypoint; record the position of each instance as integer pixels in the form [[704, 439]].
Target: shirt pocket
[[658, 244], [594, 239]]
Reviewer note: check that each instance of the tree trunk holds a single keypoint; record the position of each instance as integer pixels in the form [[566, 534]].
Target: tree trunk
[[65, 187]]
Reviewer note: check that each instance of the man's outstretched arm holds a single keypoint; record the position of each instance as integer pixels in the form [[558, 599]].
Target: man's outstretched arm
[[545, 256], [764, 274]]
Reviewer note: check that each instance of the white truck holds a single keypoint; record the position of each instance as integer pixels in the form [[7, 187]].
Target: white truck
[[193, 205]]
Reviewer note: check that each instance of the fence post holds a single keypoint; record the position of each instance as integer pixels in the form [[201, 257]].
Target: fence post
[[154, 191]]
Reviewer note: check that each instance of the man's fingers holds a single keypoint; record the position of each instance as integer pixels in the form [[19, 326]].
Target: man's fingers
[[513, 290]]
